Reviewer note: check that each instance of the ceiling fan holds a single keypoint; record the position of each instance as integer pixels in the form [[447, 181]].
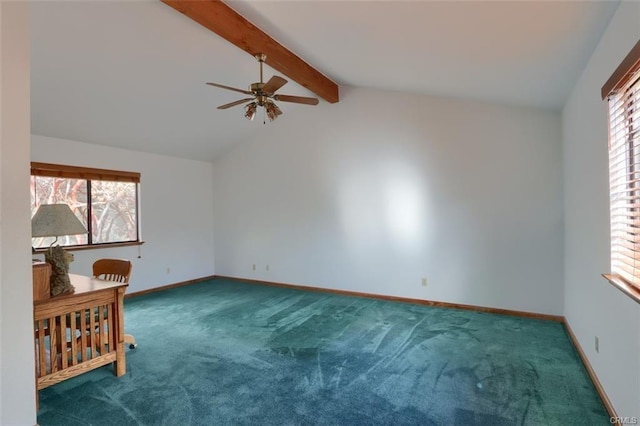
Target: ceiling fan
[[263, 95]]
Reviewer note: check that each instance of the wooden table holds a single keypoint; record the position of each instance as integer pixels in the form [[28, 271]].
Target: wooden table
[[76, 333]]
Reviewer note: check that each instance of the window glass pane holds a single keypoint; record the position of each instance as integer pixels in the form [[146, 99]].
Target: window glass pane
[[114, 211], [46, 190]]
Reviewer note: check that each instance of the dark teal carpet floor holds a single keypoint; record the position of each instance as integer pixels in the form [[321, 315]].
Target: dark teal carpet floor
[[227, 353]]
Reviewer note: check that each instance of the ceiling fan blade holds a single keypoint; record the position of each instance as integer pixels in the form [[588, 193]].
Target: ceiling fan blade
[[296, 99], [273, 84], [229, 105], [246, 92]]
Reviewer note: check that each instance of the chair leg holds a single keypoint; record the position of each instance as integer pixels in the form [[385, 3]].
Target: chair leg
[[128, 338]]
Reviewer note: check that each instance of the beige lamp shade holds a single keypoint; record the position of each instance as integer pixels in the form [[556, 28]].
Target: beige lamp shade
[[54, 220]]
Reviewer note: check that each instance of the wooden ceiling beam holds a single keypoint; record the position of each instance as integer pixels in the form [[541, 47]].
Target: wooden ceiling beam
[[230, 25]]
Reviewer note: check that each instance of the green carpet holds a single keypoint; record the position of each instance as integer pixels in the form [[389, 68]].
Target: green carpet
[[228, 353]]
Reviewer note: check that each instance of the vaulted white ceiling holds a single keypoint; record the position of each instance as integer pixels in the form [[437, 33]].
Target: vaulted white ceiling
[[132, 74]]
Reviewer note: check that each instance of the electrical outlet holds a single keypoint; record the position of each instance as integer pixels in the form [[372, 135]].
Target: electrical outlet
[[424, 281], [267, 267], [253, 267], [597, 344], [168, 270]]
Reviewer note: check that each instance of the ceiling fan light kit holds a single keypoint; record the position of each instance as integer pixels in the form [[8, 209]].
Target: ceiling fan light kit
[[263, 94], [250, 110]]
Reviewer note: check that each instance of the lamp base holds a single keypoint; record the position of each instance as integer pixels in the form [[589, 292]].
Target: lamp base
[[59, 260]]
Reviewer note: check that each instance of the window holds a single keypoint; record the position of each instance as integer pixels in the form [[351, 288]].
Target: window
[[623, 93], [105, 201]]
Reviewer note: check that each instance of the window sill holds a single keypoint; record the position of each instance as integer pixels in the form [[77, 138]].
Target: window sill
[[619, 283], [95, 246]]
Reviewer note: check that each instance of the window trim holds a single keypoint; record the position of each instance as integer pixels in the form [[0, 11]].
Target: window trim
[[74, 172], [622, 285], [628, 68], [81, 247], [622, 74], [91, 174]]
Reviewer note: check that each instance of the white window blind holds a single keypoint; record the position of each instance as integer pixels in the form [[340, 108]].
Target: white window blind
[[624, 173]]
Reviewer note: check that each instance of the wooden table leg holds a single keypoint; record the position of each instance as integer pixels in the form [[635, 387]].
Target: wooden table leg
[[120, 365]]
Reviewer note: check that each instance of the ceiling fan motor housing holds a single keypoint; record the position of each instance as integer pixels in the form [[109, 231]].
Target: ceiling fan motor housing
[[256, 87]]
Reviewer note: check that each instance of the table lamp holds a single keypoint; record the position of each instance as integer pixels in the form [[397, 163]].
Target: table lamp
[[55, 220]]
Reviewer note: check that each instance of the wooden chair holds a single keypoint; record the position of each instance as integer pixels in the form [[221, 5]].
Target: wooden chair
[[115, 270]]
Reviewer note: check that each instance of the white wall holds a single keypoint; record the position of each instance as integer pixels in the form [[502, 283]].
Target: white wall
[[17, 390], [592, 306], [176, 212], [384, 188]]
